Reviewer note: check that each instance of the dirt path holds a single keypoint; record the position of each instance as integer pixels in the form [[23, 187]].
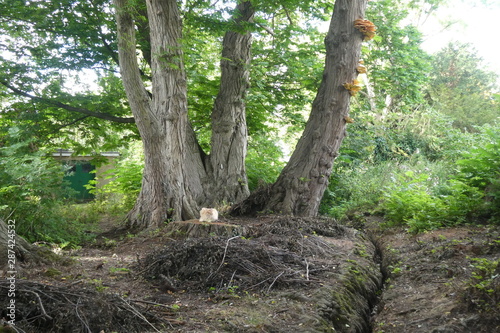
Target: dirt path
[[431, 286], [285, 275]]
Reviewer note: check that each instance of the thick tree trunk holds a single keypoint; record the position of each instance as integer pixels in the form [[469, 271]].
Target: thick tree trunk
[[302, 182], [229, 128], [178, 179], [14, 249], [173, 172], [185, 173]]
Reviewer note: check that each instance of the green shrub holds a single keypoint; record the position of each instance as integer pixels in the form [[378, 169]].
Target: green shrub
[[120, 193], [356, 189], [414, 191], [434, 199], [416, 201], [483, 289], [480, 168], [374, 154], [31, 189]]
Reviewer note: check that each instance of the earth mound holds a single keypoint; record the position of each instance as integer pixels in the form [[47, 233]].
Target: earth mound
[[334, 267]]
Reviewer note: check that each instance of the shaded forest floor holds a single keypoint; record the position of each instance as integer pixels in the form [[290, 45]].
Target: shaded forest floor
[[271, 274]]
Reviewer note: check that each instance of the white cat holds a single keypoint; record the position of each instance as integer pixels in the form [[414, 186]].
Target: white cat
[[209, 215]]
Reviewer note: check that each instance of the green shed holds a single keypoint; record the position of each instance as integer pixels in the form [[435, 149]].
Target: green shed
[[83, 171]]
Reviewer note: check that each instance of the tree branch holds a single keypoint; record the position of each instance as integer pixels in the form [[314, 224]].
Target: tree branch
[[269, 31], [288, 15], [111, 52], [137, 94], [58, 104], [69, 124]]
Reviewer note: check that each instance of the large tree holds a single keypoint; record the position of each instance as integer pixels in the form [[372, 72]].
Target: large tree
[[301, 185], [72, 36], [181, 173], [178, 176], [302, 182], [462, 88]]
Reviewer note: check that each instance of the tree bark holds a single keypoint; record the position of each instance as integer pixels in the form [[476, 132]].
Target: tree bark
[[197, 229], [22, 250], [229, 127], [301, 184], [178, 177]]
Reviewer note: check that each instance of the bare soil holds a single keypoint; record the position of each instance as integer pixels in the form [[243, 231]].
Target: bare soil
[[280, 274], [432, 287]]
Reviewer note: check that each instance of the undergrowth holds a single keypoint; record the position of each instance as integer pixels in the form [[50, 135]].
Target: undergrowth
[[482, 291], [418, 192]]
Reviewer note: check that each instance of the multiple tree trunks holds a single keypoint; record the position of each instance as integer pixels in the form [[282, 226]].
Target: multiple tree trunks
[[179, 178]]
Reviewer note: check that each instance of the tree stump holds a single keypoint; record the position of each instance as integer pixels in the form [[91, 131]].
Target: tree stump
[[197, 229]]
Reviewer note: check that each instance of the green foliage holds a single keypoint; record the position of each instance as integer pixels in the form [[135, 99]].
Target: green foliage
[[423, 202], [418, 190], [355, 188], [264, 162], [114, 270], [120, 193], [285, 74], [98, 284], [483, 289], [203, 81], [411, 192], [397, 66], [425, 133], [437, 138], [32, 189], [76, 224], [480, 168], [64, 54], [462, 89], [32, 192], [81, 215], [372, 157]]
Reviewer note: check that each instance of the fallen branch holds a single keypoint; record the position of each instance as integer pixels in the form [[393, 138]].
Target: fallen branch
[[79, 317], [139, 315], [223, 257], [87, 310], [271, 285], [39, 303]]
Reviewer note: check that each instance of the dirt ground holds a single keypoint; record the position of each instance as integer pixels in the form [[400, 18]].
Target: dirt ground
[[435, 281], [274, 274]]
